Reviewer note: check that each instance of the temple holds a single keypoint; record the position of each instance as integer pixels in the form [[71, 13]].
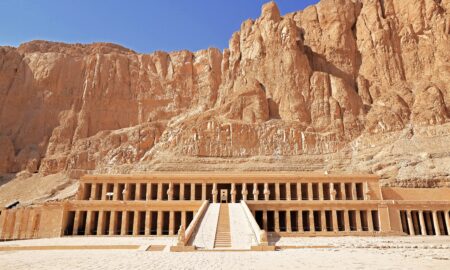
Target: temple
[[210, 210]]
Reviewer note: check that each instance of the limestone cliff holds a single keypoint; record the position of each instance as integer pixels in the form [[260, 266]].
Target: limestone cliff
[[342, 85]]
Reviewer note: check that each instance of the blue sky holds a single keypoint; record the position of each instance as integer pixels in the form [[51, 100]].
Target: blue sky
[[141, 25]]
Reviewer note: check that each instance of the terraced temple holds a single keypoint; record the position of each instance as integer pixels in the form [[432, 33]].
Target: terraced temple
[[211, 210]]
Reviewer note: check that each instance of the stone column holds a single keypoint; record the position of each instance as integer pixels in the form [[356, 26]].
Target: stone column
[[256, 192], [112, 223], [266, 191], [265, 220], [423, 229], [192, 191], [332, 192], [233, 192], [126, 195], [320, 191], [76, 223], [447, 221], [104, 191], [277, 191], [288, 191], [80, 192], [214, 193], [343, 192], [171, 223], [170, 192], [358, 220], [410, 223], [310, 192], [312, 225], [124, 228], [116, 191], [334, 221], [323, 220], [300, 221], [88, 229], [148, 196], [203, 191], [93, 192], [288, 221], [354, 195], [160, 192], [366, 191], [436, 223], [244, 191], [183, 220], [277, 221], [370, 221], [159, 223], [148, 219], [181, 191], [137, 192], [101, 223], [299, 191], [346, 221], [136, 222]]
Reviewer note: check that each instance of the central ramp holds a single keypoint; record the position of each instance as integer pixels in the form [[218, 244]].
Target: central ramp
[[223, 238], [225, 226]]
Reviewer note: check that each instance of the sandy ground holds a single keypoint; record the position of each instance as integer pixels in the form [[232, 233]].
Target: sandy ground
[[345, 253]]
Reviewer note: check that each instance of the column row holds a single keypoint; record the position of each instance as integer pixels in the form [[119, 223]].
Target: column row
[[318, 220], [126, 222], [419, 222], [236, 191]]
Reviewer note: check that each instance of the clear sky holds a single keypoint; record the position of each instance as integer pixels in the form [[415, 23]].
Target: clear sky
[[141, 25]]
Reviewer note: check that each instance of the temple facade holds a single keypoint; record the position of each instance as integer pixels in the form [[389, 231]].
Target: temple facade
[[268, 203]]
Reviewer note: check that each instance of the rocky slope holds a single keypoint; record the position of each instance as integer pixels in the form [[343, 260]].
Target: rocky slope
[[342, 85]]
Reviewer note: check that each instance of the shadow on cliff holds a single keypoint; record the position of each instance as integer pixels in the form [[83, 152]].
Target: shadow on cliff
[[6, 178]]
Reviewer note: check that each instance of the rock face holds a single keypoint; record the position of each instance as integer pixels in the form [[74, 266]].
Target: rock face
[[341, 85]]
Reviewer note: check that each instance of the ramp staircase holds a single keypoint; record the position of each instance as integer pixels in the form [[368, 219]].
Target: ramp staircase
[[223, 235]]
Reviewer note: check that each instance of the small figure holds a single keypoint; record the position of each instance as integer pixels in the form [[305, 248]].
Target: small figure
[[181, 236]]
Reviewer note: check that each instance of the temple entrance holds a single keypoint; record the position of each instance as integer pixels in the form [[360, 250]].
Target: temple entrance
[[223, 196], [224, 193]]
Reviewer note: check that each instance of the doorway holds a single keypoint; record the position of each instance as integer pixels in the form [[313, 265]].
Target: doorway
[[224, 192], [223, 196]]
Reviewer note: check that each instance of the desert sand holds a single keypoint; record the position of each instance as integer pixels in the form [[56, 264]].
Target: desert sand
[[311, 253]]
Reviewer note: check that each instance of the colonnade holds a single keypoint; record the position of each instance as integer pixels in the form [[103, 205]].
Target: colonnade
[[425, 222], [322, 220], [125, 222], [237, 191]]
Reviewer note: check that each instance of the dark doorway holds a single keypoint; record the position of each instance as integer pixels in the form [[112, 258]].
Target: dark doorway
[[305, 220], [282, 220], [189, 217], [294, 221], [259, 219], [270, 221], [225, 187]]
